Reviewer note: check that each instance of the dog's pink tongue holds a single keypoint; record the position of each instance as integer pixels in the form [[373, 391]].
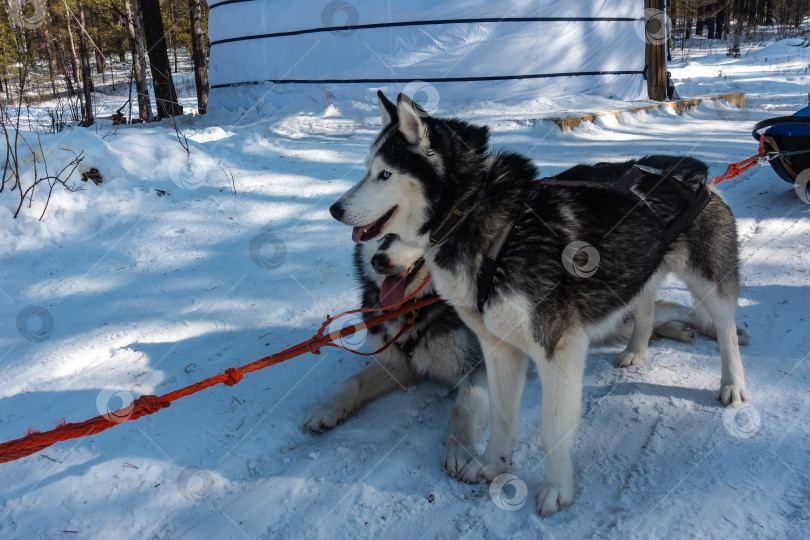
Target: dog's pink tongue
[[392, 289], [357, 232]]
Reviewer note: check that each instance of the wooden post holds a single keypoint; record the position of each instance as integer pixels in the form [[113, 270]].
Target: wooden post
[[655, 52]]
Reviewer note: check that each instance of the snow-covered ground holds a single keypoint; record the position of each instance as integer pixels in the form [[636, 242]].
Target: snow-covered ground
[[167, 273], [113, 92]]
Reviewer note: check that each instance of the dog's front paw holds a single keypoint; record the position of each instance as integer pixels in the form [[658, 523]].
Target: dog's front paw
[[325, 416], [456, 456], [733, 395], [478, 470], [341, 404], [554, 496], [630, 358]]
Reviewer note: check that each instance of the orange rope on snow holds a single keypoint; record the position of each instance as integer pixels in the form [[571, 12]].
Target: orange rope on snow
[[149, 404], [736, 169]]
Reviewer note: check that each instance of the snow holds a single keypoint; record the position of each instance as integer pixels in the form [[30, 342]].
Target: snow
[[150, 293]]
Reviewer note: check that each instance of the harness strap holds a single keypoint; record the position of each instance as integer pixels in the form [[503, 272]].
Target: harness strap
[[492, 258], [625, 185], [491, 261], [456, 214], [449, 224], [622, 185], [697, 202]]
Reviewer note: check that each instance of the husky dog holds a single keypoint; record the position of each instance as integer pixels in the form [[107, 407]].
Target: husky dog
[[439, 347], [543, 300]]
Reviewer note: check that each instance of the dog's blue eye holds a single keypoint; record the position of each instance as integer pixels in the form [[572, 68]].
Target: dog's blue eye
[[384, 175]]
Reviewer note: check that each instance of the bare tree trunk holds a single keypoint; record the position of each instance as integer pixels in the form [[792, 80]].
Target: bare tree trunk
[[739, 29], [769, 7], [165, 94], [60, 65], [74, 59], [22, 62], [101, 60], [51, 56], [8, 75], [138, 61], [720, 24], [198, 55], [87, 76], [172, 36]]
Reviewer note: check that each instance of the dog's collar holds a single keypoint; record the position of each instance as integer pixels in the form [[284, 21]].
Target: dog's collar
[[450, 222], [414, 270], [454, 217]]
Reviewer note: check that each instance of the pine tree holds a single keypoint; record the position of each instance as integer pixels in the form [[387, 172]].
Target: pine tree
[[138, 60], [165, 93]]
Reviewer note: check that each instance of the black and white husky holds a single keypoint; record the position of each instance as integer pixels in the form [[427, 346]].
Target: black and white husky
[[485, 225], [441, 347]]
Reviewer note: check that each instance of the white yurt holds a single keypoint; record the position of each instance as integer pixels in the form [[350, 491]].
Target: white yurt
[[471, 49]]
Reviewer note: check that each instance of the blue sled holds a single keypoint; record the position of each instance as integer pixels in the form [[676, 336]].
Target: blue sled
[[790, 137]]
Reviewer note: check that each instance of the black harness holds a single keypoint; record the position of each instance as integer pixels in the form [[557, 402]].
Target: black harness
[[666, 198], [453, 219]]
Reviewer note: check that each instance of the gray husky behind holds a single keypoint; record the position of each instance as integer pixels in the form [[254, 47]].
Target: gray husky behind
[[545, 298], [439, 347]]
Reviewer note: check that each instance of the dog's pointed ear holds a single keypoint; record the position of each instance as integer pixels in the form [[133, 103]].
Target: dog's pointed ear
[[388, 110], [412, 121]]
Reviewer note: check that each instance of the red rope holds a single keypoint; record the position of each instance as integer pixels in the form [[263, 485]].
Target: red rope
[[404, 330], [736, 169], [149, 404]]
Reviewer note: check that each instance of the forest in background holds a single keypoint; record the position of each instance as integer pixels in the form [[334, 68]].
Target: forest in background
[[62, 49], [735, 21]]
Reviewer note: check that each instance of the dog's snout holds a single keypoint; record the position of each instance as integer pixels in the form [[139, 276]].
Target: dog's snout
[[337, 211], [380, 262]]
